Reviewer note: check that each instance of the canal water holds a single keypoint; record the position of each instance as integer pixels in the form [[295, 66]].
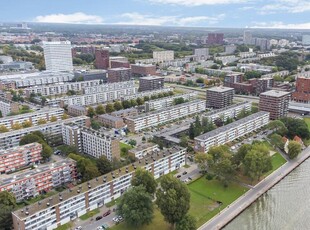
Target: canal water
[[284, 207]]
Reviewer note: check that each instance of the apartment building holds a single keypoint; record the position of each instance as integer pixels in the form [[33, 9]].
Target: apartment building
[[30, 183], [61, 88], [111, 121], [102, 60], [162, 56], [58, 56], [129, 85], [119, 74], [219, 97], [140, 70], [77, 110], [130, 112], [119, 64], [146, 93], [37, 78], [143, 150], [201, 53], [8, 106], [231, 131], [155, 118], [150, 83], [60, 209], [91, 142], [20, 156], [52, 129], [7, 85], [33, 117], [302, 93], [275, 102], [168, 101]]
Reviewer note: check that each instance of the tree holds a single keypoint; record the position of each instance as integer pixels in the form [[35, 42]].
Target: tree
[[136, 207], [202, 160], [178, 100], [278, 126], [200, 80], [104, 165], [16, 126], [100, 110], [118, 106], [26, 124], [220, 163], [184, 141], [146, 179], [146, 98], [41, 121], [39, 134], [257, 161], [173, 199], [295, 127], [3, 129], [91, 112], [133, 103], [109, 108], [240, 154], [64, 116], [53, 118], [171, 93], [132, 142], [7, 205], [276, 140], [187, 223], [1, 114], [47, 151], [252, 74], [126, 104], [294, 148], [95, 125], [140, 101], [85, 167], [191, 131], [30, 138]]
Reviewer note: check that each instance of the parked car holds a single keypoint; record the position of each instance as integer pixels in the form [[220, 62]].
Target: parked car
[[189, 178], [107, 213], [78, 228], [99, 228], [178, 176], [98, 217], [115, 219], [184, 173]]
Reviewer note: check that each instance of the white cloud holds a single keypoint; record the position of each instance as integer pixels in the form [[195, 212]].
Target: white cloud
[[143, 19], [198, 2], [281, 25], [289, 6], [75, 18]]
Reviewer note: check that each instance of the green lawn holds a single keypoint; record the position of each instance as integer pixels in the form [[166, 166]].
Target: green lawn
[[111, 203], [307, 120], [158, 223], [64, 227], [123, 145], [205, 194], [90, 214], [277, 161]]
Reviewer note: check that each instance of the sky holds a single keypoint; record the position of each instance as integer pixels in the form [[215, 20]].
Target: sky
[[281, 14]]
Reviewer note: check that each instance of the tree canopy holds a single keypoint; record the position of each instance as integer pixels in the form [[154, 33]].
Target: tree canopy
[[145, 179], [294, 148]]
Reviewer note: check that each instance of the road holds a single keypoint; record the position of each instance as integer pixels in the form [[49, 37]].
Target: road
[[233, 210]]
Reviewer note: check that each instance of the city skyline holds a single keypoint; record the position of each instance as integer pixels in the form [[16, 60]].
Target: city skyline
[[282, 14]]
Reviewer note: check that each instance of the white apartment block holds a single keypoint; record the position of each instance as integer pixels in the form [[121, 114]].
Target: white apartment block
[[266, 55], [58, 56], [91, 142], [228, 112], [231, 131], [280, 73], [52, 130], [60, 209], [162, 56], [20, 156], [146, 93], [201, 53], [168, 101], [30, 183], [7, 107], [155, 118], [37, 78], [33, 117], [144, 149], [129, 85], [247, 54], [60, 88]]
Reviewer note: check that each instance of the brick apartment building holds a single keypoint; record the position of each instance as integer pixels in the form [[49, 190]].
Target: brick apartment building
[[151, 83], [20, 156], [39, 180], [102, 59], [111, 121], [215, 38], [141, 70], [219, 97], [119, 64], [275, 102], [119, 74], [302, 93]]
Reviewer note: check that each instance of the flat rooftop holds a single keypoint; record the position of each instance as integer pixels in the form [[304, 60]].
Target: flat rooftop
[[275, 93], [220, 89], [151, 78], [142, 147], [229, 126], [87, 186]]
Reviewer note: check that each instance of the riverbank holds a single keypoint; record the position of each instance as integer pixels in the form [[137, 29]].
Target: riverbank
[[233, 210]]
